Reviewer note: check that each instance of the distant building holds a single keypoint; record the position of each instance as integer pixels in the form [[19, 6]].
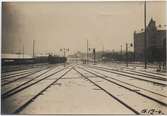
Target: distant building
[[156, 43]]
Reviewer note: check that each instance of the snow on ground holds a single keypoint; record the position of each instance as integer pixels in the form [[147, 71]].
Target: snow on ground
[[74, 95]]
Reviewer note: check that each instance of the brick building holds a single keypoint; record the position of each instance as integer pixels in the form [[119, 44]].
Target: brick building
[[156, 43]]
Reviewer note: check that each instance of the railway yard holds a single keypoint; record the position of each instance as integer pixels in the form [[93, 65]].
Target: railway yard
[[83, 89]]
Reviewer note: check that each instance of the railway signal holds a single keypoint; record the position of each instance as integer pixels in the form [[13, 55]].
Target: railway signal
[[127, 57], [64, 50], [94, 54]]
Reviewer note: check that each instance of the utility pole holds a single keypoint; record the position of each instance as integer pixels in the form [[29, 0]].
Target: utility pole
[[126, 54], [121, 53], [94, 56], [102, 52], [145, 37], [164, 53], [64, 50], [87, 53], [134, 53], [23, 50], [64, 53], [33, 48]]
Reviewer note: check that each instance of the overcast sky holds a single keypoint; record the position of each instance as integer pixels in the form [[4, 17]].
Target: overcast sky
[[55, 25]]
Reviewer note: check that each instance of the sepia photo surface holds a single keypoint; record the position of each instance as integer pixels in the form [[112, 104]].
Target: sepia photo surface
[[98, 57]]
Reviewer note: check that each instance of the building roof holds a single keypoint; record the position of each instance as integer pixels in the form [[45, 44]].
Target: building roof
[[15, 56], [151, 25]]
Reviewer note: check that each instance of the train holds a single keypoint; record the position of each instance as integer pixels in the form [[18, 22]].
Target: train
[[56, 59], [42, 59]]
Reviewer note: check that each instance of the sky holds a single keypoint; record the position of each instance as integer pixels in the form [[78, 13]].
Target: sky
[[56, 25]]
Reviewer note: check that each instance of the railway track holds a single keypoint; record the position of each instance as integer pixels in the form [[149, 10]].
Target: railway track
[[107, 92], [124, 82], [29, 69], [149, 74], [19, 74], [15, 72], [22, 77], [140, 70], [137, 73], [128, 88], [28, 83], [132, 75], [19, 109], [11, 69], [132, 97], [15, 89], [124, 86]]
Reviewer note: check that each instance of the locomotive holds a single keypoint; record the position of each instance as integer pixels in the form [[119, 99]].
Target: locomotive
[[56, 59]]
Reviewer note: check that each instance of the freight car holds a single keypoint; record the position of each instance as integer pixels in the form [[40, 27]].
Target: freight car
[[42, 59], [17, 61]]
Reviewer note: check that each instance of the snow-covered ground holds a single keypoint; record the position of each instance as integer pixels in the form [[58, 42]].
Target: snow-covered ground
[[74, 94]]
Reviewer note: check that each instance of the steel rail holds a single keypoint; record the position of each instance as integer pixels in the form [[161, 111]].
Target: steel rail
[[111, 95], [10, 92], [18, 72], [31, 84], [130, 84], [117, 72], [21, 67], [144, 70], [3, 84], [143, 75], [146, 73], [18, 110], [24, 72], [15, 75], [151, 98]]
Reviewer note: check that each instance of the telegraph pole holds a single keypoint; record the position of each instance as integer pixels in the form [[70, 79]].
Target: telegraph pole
[[33, 48], [127, 54], [121, 53], [64, 50], [164, 53], [102, 53], [145, 37], [94, 56], [87, 53], [23, 50]]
